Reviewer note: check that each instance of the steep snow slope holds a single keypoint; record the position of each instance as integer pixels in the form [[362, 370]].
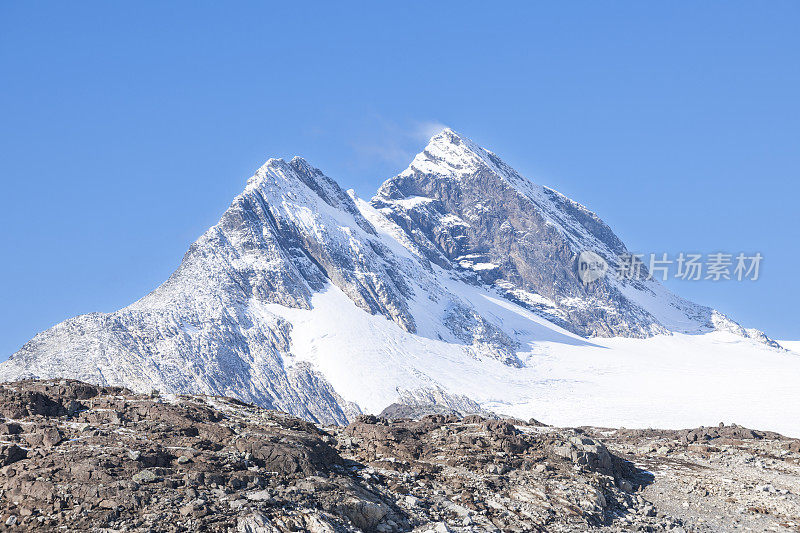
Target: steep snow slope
[[457, 280], [671, 381]]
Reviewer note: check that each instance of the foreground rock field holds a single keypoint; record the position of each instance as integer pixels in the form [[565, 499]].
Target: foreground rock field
[[77, 457]]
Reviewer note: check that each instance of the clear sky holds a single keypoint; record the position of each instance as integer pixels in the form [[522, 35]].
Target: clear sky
[[127, 128]]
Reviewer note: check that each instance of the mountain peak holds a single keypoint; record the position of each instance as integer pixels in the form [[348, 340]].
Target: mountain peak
[[446, 133], [281, 164], [449, 137], [452, 154]]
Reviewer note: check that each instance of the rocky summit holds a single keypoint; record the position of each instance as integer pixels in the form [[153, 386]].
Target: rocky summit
[[81, 457]]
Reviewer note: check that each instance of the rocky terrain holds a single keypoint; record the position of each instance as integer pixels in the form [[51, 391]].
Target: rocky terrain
[[80, 457]]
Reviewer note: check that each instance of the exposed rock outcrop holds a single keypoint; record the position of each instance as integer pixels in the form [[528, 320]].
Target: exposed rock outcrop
[[105, 459]]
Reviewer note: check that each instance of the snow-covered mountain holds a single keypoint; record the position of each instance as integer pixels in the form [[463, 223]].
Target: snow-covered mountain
[[455, 284]]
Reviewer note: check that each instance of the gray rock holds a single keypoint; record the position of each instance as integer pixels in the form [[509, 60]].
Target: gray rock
[[145, 476]]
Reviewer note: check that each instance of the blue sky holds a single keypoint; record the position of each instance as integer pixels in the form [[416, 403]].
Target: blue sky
[[127, 128]]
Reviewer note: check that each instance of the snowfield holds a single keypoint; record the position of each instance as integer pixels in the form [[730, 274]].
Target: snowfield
[[666, 381]]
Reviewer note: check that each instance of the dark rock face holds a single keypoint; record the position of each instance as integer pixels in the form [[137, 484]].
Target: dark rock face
[[472, 207], [11, 454], [28, 403], [127, 461]]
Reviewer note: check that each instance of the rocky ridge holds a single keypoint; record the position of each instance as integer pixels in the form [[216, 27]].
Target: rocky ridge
[[88, 458]]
